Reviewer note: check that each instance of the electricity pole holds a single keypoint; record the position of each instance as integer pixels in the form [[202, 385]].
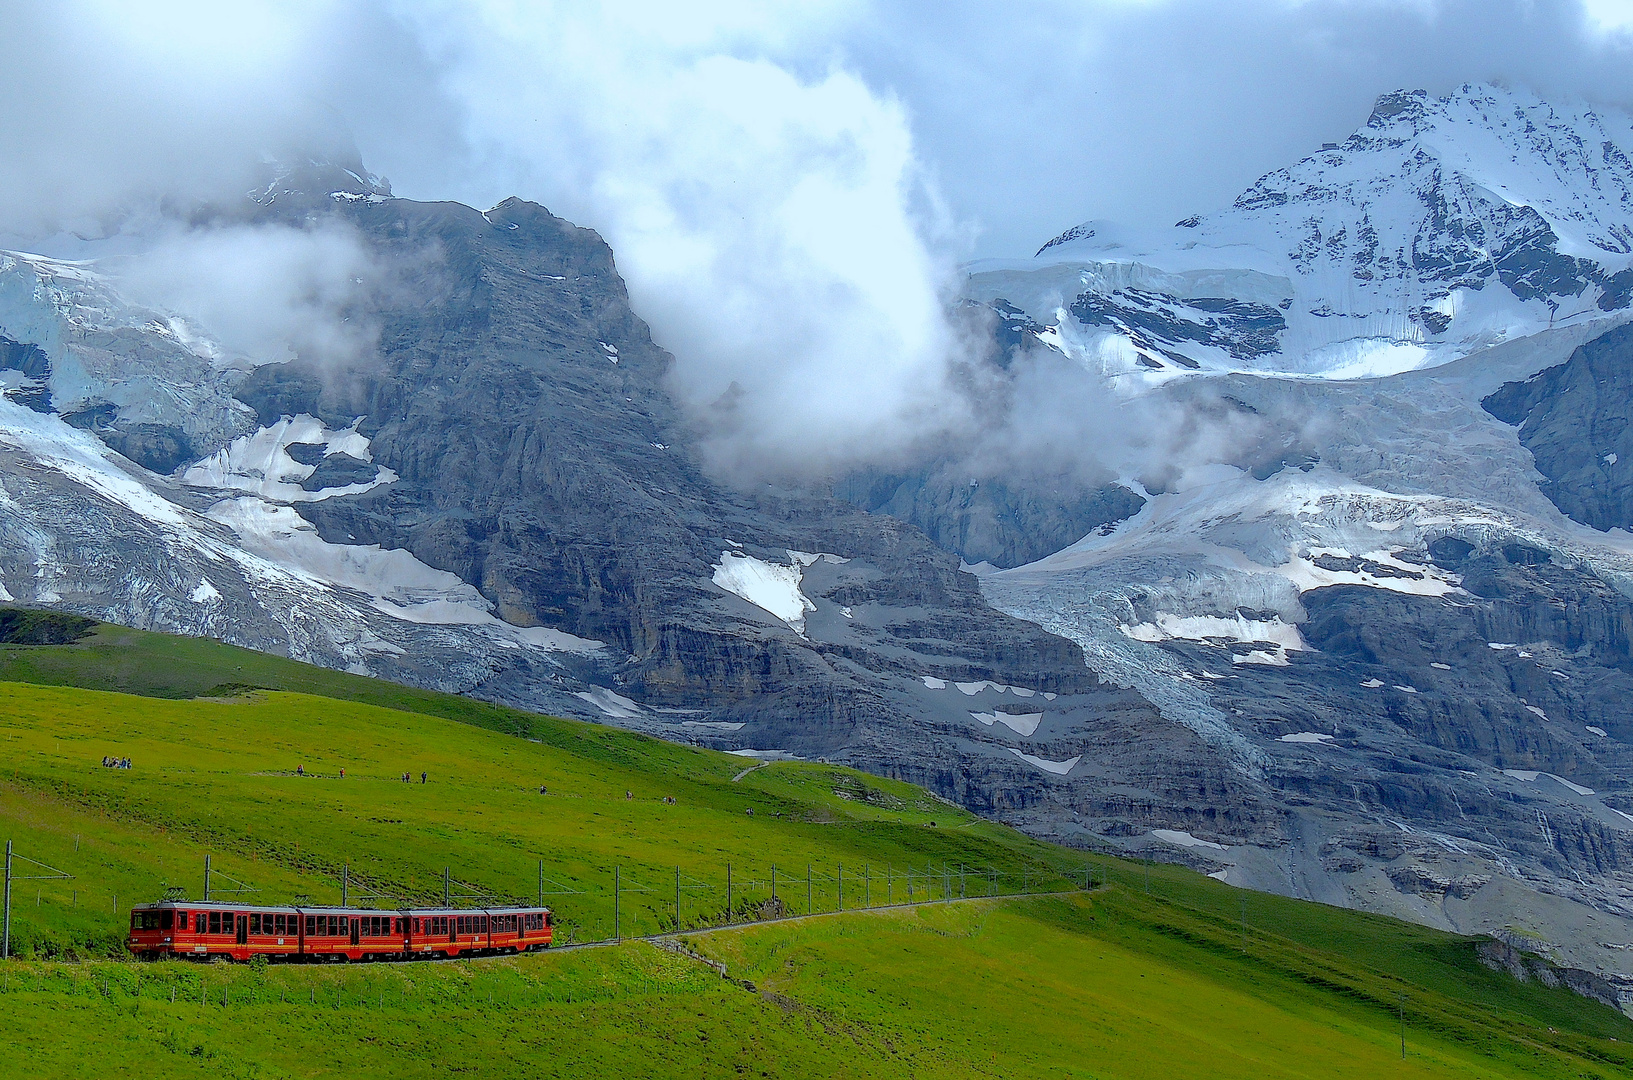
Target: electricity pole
[[206, 879], [5, 948], [617, 929], [1400, 1000]]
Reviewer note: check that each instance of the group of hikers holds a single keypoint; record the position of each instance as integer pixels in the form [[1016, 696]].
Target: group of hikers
[[300, 770], [115, 762]]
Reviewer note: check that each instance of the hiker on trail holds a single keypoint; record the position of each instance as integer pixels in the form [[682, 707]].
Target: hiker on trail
[[343, 774], [541, 789], [300, 770], [422, 777]]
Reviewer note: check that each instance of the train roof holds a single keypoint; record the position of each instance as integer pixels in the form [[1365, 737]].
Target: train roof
[[327, 909]]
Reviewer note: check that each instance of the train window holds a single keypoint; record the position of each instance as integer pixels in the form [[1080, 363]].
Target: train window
[[311, 925], [215, 922], [255, 922]]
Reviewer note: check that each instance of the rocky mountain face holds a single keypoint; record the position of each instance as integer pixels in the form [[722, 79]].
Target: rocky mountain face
[[1574, 419], [499, 498]]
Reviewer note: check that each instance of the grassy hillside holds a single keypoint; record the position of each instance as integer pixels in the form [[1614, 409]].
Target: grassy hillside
[[1161, 971], [220, 776]]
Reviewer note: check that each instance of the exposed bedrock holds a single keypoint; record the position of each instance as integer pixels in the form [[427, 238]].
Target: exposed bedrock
[[1575, 420]]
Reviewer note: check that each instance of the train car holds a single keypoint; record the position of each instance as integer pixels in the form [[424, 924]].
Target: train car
[[182, 928], [463, 932], [200, 930]]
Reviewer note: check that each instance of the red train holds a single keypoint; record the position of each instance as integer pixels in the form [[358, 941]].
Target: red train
[[203, 930]]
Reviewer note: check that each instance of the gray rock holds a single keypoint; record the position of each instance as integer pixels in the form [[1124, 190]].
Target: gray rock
[[1574, 418]]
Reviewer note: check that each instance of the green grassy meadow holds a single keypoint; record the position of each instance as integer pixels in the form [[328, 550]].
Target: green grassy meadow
[[1151, 972]]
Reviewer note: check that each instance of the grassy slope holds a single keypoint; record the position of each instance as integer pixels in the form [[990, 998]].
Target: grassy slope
[[1103, 985], [219, 776], [1027, 987]]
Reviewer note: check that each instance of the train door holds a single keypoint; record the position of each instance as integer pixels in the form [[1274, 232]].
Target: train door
[[355, 930], [243, 930]]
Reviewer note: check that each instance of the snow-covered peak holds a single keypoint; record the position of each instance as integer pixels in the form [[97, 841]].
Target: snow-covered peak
[[1442, 225], [1505, 148]]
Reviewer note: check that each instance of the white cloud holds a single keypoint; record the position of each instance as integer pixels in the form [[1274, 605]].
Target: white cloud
[[1610, 16], [774, 225], [264, 293]]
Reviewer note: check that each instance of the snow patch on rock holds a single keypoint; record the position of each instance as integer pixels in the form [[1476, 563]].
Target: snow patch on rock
[[1059, 768], [260, 463], [768, 586], [1020, 723], [1185, 839], [611, 704]]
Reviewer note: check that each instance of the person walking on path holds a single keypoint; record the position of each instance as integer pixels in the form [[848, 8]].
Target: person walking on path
[[422, 777]]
